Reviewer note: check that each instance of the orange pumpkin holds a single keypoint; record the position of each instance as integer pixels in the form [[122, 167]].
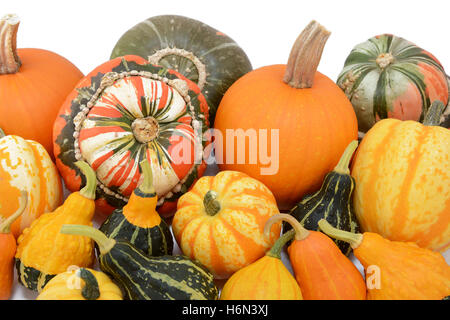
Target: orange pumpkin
[[220, 222], [26, 165], [34, 84], [314, 119]]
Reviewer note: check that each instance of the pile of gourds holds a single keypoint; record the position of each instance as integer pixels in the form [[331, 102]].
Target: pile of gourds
[[132, 139]]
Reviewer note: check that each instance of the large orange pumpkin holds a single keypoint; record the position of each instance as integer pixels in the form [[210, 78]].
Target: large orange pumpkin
[[34, 84], [314, 119]]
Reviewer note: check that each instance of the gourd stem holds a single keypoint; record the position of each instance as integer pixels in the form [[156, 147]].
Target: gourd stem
[[275, 251], [5, 225], [104, 243], [300, 232], [90, 290], [2, 133], [147, 183], [342, 166], [91, 180], [305, 56], [434, 113], [212, 205], [355, 239], [9, 60]]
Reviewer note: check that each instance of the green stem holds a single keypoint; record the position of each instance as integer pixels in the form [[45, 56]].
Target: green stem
[[212, 205], [104, 243], [275, 251], [300, 232], [434, 113], [146, 186], [355, 239], [2, 133], [5, 225], [91, 180], [342, 166], [90, 290]]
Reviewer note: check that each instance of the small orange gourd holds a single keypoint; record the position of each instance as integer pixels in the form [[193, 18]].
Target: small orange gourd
[[8, 248], [396, 270], [322, 271]]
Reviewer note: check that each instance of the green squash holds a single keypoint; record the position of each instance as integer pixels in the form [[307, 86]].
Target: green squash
[[201, 53], [332, 202], [149, 278]]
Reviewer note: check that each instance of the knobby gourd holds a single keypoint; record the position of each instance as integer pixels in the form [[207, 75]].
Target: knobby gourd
[[300, 117], [123, 112], [43, 252], [396, 270], [138, 221], [220, 222], [402, 182], [322, 271], [142, 277]]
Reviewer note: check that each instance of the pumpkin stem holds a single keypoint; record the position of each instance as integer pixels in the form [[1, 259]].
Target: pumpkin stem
[[342, 166], [305, 56], [91, 180], [300, 232], [212, 205], [275, 251], [104, 243], [91, 290], [9, 60], [2, 133], [434, 113], [355, 239], [146, 186], [5, 225]]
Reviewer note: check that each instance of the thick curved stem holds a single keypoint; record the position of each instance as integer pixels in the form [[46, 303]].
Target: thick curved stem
[[212, 205], [275, 251], [104, 243], [5, 225], [434, 113], [355, 239], [305, 56], [146, 186], [342, 166], [300, 232], [9, 60], [91, 180]]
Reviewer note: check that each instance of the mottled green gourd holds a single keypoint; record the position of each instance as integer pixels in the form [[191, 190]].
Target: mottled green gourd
[[138, 221], [332, 202], [201, 53], [149, 278]]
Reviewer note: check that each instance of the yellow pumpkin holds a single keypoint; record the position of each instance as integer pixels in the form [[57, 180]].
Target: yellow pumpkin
[[402, 177], [26, 165], [81, 284], [220, 222]]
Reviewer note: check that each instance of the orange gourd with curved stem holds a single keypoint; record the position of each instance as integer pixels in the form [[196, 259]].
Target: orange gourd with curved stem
[[322, 271]]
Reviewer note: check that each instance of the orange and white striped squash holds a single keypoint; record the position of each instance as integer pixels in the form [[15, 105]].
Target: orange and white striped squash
[[402, 178], [26, 165], [220, 222]]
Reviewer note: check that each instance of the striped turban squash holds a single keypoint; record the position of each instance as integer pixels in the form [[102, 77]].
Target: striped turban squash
[[390, 77], [123, 112]]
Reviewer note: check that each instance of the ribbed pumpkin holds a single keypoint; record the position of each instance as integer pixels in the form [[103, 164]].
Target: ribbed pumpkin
[[220, 222], [81, 284], [127, 110], [300, 117], [390, 77], [204, 55], [26, 165], [34, 84], [401, 170]]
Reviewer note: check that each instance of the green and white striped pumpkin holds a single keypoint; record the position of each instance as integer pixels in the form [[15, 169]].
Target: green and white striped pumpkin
[[390, 77]]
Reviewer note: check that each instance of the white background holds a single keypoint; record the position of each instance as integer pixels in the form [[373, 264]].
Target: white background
[[85, 32]]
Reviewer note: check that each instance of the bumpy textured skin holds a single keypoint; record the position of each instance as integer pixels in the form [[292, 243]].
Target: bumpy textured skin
[[8, 250], [26, 165], [224, 60], [333, 202], [265, 279], [406, 271], [323, 272], [106, 138], [43, 252], [233, 238], [403, 90], [68, 286], [402, 192], [157, 278]]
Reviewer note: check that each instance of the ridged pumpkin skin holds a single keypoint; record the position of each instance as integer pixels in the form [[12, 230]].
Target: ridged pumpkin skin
[[231, 238], [204, 55], [402, 192], [390, 77], [26, 165], [127, 110], [58, 288], [31, 97], [8, 250]]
